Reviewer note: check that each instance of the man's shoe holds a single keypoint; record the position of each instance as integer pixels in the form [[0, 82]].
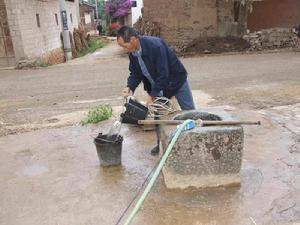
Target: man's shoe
[[155, 150]]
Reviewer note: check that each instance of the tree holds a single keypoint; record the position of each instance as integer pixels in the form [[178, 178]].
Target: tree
[[118, 8], [100, 7]]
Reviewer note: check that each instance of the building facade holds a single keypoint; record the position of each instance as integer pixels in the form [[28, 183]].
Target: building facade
[[87, 15], [183, 21], [31, 29], [136, 10]]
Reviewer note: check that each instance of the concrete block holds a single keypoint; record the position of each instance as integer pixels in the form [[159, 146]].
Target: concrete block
[[205, 156]]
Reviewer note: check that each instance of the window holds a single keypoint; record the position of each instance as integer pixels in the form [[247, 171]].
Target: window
[[56, 18], [38, 23], [236, 6], [133, 4], [71, 17]]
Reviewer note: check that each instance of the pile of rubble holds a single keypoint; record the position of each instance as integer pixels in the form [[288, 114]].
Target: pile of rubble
[[214, 45], [271, 39], [26, 64]]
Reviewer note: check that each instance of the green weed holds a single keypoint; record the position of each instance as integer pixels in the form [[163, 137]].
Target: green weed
[[97, 114], [92, 46]]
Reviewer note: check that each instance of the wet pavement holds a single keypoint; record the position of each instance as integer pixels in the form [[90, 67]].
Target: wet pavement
[[52, 176]]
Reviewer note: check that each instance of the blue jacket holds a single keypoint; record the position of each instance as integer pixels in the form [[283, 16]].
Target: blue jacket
[[166, 70]]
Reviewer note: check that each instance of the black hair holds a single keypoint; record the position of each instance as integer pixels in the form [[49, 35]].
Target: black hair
[[126, 33]]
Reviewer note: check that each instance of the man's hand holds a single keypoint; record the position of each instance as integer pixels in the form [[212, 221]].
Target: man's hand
[[149, 100], [126, 92]]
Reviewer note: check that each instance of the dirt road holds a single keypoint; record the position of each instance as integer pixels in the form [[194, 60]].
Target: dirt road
[[253, 81]]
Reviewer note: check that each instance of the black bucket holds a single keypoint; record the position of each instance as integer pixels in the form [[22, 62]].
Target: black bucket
[[109, 150], [134, 111]]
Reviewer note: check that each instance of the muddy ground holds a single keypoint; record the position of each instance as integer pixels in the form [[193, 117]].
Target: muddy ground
[[50, 172], [215, 45]]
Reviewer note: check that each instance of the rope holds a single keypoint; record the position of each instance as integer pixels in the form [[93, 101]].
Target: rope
[[161, 106]]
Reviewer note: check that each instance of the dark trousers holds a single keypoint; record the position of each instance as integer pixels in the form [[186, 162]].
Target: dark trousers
[[157, 129]]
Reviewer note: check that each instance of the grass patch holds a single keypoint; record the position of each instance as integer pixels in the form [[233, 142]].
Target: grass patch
[[92, 46], [97, 114]]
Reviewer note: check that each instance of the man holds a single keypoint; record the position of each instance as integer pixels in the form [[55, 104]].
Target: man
[[156, 65], [99, 28]]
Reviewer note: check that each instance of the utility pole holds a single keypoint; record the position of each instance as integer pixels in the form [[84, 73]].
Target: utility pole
[[65, 30]]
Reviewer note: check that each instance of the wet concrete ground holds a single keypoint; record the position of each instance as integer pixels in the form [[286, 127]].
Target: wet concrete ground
[[52, 176]]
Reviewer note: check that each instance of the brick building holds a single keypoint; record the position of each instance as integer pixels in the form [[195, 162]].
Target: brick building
[[183, 21], [273, 14], [30, 29], [87, 15]]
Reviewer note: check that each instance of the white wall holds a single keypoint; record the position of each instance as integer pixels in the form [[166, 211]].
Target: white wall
[[136, 11], [87, 18], [38, 41]]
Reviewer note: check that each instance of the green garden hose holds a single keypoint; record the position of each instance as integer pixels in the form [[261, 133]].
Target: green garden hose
[[188, 124]]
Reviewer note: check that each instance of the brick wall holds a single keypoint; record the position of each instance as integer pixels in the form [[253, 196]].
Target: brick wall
[[31, 41], [183, 20], [274, 13]]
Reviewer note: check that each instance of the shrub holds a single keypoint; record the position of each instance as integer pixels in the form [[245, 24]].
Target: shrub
[[97, 114]]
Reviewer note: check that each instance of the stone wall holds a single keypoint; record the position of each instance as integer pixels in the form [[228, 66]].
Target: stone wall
[[31, 41], [271, 39], [227, 26]]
